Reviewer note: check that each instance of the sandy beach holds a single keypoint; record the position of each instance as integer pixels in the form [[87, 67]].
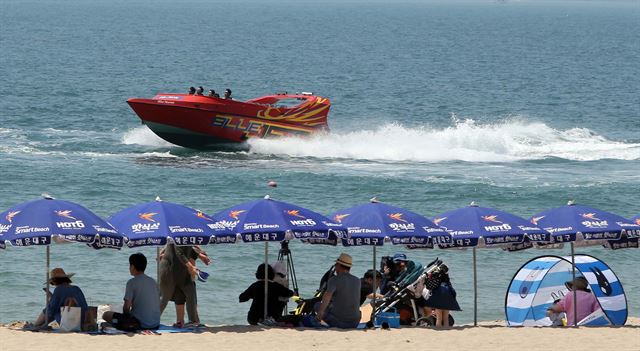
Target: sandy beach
[[489, 336]]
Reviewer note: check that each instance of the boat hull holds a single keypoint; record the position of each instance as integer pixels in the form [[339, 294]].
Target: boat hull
[[202, 122]]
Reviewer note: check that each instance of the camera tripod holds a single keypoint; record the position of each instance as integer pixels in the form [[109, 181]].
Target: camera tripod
[[285, 255]]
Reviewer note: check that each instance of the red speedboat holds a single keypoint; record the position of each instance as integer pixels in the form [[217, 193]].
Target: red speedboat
[[200, 122]]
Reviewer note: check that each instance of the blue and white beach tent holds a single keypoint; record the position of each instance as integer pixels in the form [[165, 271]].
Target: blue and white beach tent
[[540, 282]]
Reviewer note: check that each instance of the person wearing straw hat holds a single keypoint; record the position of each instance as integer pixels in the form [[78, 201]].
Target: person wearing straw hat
[[63, 293], [587, 302], [340, 305]]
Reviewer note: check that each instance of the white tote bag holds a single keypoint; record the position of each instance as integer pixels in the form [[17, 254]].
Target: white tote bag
[[70, 318]]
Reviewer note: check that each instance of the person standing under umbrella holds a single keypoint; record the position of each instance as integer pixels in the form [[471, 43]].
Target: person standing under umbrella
[[443, 298], [176, 282]]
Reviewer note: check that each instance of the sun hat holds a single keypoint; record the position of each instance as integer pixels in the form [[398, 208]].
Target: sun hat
[[59, 273], [580, 283], [400, 257], [345, 260]]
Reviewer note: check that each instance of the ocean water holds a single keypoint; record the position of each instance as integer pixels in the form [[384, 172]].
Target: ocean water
[[518, 105]]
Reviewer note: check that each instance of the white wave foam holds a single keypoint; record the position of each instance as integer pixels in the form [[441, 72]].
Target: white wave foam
[[143, 136], [510, 140]]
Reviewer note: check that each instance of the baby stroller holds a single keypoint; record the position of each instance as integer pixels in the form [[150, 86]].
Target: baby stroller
[[305, 306], [406, 290]]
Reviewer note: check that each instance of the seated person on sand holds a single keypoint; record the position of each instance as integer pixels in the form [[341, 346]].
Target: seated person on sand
[[256, 292], [141, 309], [64, 294], [340, 305], [367, 289], [587, 302]]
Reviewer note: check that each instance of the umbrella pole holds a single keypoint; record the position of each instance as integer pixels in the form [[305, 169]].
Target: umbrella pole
[[375, 276], [46, 299], [475, 290], [266, 277], [157, 264], [573, 274]]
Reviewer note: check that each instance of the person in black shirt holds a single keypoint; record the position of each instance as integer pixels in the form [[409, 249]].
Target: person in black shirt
[[366, 285], [256, 292]]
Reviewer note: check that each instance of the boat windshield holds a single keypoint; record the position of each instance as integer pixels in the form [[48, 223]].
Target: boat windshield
[[288, 102]]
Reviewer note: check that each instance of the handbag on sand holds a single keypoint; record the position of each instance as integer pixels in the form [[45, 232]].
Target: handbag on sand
[[90, 319], [70, 316]]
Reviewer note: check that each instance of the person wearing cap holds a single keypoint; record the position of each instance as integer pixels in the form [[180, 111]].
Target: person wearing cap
[[392, 274], [340, 305], [63, 293], [587, 302]]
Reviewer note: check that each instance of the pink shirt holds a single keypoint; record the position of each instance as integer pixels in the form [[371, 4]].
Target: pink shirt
[[587, 304]]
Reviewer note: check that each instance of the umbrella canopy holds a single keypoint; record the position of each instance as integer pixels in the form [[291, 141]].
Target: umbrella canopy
[[271, 220], [373, 222], [586, 225], [483, 226], [39, 221], [154, 223]]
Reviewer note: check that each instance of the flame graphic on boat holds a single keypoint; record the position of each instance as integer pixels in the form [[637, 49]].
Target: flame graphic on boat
[[310, 113]]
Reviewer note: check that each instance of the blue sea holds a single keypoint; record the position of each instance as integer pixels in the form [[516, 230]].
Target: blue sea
[[517, 105]]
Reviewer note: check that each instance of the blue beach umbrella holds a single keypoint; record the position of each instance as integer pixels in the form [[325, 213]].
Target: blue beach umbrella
[[373, 223], [47, 220], [630, 239], [157, 222], [586, 226], [267, 220], [475, 226], [39, 222]]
